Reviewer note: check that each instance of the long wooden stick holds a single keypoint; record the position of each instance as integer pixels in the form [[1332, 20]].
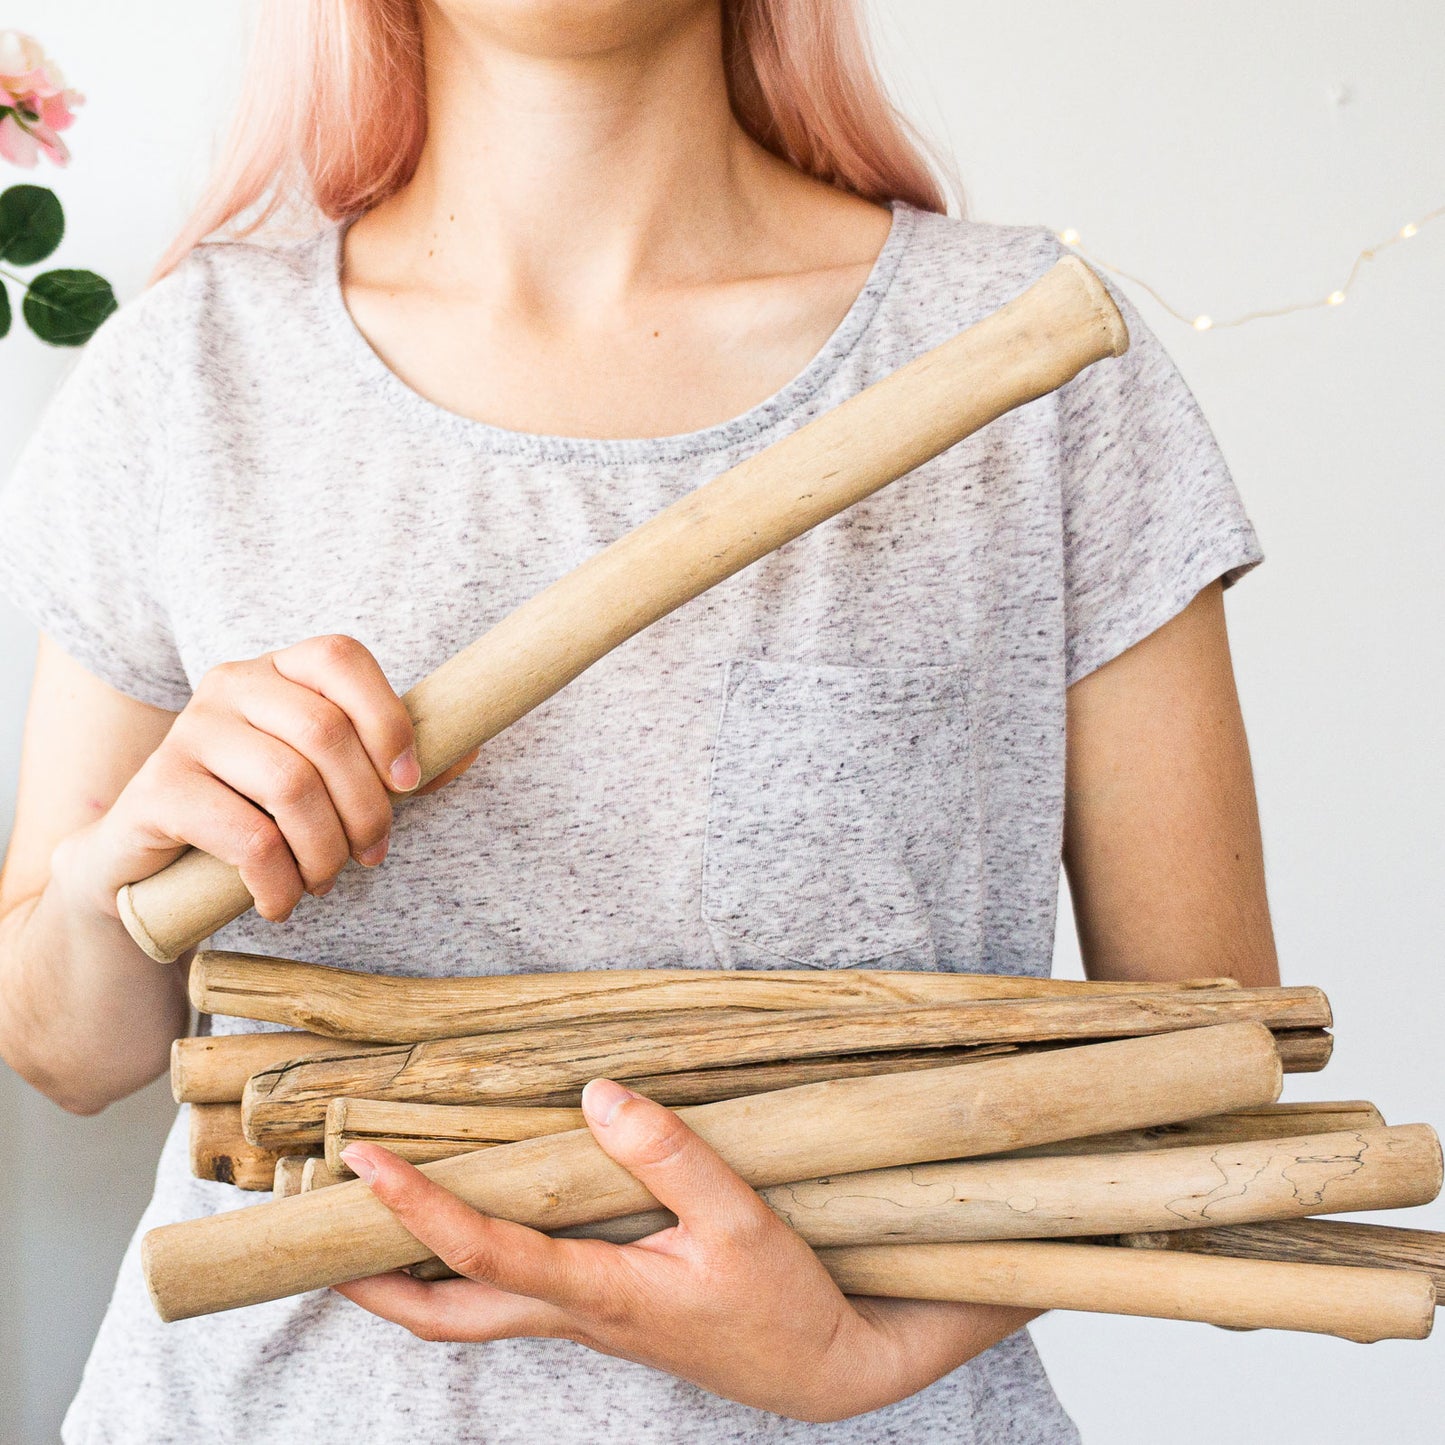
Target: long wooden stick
[[1188, 1190], [218, 1072], [288, 1246], [287, 1104], [1249, 1294], [1312, 1241], [213, 1069], [1166, 1189], [1265, 1121], [221, 1152], [1064, 322], [346, 1004], [423, 1133]]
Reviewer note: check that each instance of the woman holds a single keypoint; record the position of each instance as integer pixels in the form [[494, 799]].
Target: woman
[[578, 259]]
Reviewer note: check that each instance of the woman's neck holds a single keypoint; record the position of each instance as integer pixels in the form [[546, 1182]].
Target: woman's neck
[[563, 181]]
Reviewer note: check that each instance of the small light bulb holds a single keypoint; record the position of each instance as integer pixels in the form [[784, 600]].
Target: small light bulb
[[1407, 230], [1069, 237], [1335, 298], [1203, 323]]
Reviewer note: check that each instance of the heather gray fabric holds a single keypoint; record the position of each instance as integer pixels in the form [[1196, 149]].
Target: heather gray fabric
[[851, 754]]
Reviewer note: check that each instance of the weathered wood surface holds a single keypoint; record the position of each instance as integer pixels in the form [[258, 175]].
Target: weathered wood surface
[[346, 1004], [423, 1133], [1304, 1051], [1166, 1189], [1248, 1294], [1182, 1190], [1267, 1121], [219, 1151], [1313, 1241], [288, 1246], [286, 1104], [213, 1069]]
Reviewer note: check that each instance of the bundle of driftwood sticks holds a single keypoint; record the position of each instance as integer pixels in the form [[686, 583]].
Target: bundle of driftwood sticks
[[1096, 1146]]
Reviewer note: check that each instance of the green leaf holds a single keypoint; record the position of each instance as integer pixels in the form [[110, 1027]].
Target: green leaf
[[31, 224], [66, 308], [4, 310]]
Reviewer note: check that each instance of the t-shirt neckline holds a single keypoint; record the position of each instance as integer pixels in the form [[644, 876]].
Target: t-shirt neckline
[[746, 427]]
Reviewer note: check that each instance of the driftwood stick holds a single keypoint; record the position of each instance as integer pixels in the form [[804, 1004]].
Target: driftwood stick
[[1311, 1241], [287, 1180], [1176, 1190], [345, 1004], [1062, 323], [288, 1246], [1248, 1294], [1166, 1189], [287, 1104], [220, 1151], [1267, 1121], [423, 1133], [213, 1069]]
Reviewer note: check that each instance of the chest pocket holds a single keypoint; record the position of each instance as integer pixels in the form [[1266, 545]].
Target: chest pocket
[[842, 812]]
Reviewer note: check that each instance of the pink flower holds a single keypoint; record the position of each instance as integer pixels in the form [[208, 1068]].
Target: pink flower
[[35, 105]]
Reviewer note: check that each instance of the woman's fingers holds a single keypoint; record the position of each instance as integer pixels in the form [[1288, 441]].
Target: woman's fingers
[[188, 802], [453, 1309], [285, 784], [343, 671], [684, 1174], [495, 1252], [321, 733]]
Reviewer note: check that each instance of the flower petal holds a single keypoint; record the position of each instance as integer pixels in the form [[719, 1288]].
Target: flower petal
[[17, 145]]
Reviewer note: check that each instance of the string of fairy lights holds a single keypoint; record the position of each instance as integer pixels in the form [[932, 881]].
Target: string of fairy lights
[[1203, 322]]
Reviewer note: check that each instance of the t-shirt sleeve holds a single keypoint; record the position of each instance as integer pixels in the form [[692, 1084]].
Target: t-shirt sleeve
[[80, 513], [1151, 514]]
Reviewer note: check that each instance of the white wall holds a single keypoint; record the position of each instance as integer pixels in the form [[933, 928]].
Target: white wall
[[1201, 147]]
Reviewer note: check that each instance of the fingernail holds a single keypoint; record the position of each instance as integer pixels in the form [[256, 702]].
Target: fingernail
[[374, 854], [359, 1163], [602, 1098], [406, 772]]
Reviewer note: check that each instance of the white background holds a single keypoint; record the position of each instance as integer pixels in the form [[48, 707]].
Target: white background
[[1236, 155]]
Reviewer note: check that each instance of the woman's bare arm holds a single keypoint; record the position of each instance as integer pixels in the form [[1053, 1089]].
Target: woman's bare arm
[[279, 765], [1161, 835], [84, 1014]]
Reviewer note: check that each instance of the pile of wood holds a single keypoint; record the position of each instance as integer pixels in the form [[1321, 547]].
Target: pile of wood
[[1099, 1146]]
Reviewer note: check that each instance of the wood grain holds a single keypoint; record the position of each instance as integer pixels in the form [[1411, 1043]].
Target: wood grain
[[219, 1151], [286, 1105], [1244, 1294], [423, 1133], [347, 1004], [1316, 1241]]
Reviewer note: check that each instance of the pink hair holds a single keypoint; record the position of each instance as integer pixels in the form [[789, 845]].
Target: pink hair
[[333, 115]]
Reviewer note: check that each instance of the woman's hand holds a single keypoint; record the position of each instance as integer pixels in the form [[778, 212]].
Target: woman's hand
[[730, 1298], [282, 766]]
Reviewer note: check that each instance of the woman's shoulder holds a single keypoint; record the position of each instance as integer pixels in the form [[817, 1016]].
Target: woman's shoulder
[[953, 270], [221, 292]]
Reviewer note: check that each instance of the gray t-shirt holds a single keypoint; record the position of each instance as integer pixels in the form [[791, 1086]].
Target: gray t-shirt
[[851, 754]]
